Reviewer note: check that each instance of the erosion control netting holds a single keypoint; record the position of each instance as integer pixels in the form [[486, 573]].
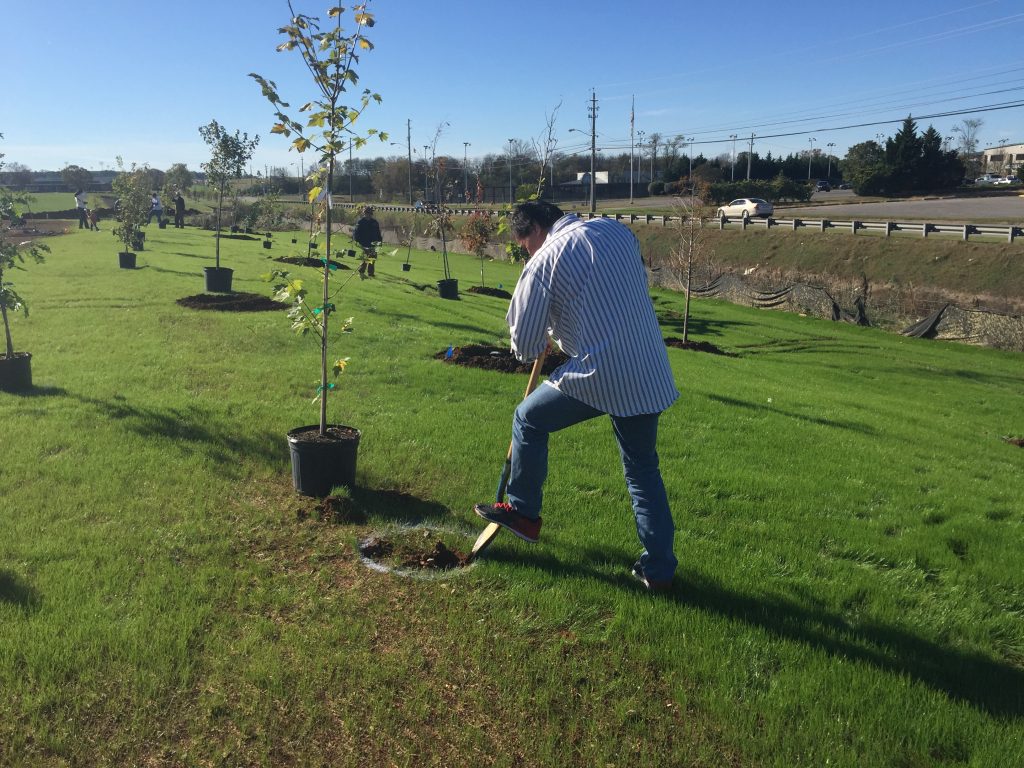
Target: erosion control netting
[[795, 297], [231, 302], [974, 326], [496, 359]]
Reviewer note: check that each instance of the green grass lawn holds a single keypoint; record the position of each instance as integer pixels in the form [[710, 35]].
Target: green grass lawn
[[849, 531]]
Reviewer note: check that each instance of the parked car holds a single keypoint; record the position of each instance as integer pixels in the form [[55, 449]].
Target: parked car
[[745, 207], [988, 178], [845, 185], [1007, 180], [822, 186]]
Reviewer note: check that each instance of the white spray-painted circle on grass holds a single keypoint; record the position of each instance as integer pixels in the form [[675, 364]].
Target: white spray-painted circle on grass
[[426, 574]]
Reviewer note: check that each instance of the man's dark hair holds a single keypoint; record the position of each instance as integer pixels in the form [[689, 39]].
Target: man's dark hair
[[534, 212]]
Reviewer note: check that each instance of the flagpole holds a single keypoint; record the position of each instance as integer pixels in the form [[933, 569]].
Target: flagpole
[[632, 113]]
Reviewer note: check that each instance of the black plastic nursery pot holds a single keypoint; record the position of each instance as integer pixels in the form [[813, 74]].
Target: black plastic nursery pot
[[448, 289], [320, 463], [218, 279], [16, 372], [266, 244], [406, 267], [162, 223], [126, 260]]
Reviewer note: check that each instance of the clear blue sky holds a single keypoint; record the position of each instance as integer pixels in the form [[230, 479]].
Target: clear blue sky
[[84, 82]]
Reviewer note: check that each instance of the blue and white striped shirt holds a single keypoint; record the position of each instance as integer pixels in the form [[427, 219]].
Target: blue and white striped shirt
[[586, 287]]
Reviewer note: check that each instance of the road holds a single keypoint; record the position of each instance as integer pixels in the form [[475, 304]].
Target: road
[[1007, 209], [996, 210]]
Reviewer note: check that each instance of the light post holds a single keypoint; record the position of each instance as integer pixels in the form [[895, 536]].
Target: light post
[[689, 156], [733, 137], [828, 174], [810, 156], [351, 199], [510, 192], [465, 172], [639, 154]]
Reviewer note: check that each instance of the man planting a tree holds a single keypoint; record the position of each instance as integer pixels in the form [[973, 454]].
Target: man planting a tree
[[585, 287]]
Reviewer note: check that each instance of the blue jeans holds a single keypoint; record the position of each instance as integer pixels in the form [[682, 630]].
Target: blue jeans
[[547, 410]]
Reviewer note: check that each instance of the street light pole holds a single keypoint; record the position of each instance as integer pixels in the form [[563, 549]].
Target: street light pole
[[511, 197], [351, 199], [828, 174], [733, 137], [465, 172], [408, 146], [810, 155], [689, 156]]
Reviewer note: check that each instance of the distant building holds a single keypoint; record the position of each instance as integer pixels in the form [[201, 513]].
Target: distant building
[[1004, 159]]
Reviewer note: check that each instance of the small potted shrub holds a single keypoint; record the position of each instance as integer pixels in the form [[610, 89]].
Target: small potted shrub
[[323, 455], [228, 155], [478, 231], [131, 211], [15, 367]]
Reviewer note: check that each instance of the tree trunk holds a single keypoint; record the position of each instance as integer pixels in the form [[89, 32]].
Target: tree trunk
[[220, 203], [326, 313], [7, 329]]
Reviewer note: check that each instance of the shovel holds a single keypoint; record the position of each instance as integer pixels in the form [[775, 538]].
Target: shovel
[[491, 531]]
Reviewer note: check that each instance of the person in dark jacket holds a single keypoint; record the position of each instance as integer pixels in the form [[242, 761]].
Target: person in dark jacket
[[367, 235], [179, 210]]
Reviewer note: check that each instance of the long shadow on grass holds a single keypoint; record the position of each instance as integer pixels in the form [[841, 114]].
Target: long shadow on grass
[[988, 684], [401, 507], [862, 428], [14, 591], [192, 428], [672, 321], [973, 678]]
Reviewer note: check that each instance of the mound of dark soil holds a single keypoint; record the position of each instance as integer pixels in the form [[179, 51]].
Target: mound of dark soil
[[231, 302], [695, 346], [495, 359], [407, 555], [309, 261], [335, 509], [485, 291], [1018, 441]]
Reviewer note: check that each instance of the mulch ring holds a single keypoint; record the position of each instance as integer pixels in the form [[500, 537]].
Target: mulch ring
[[1018, 441], [485, 291], [414, 549], [496, 359], [696, 346], [309, 261], [231, 302]]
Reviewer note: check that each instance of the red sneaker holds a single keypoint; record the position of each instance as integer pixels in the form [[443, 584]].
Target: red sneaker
[[503, 514]]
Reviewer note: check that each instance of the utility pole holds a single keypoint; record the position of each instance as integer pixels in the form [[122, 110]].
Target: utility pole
[[689, 156], [733, 137], [654, 153], [810, 156], [632, 111], [408, 145], [593, 147], [351, 199], [828, 174], [750, 154], [465, 172], [511, 197], [639, 155]]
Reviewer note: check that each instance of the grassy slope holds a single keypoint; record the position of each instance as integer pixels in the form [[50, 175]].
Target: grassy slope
[[849, 532]]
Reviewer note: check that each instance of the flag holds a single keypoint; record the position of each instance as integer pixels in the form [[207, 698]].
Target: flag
[[632, 109]]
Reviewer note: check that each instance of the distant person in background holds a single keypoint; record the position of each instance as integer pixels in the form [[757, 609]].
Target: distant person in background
[[156, 209], [367, 235], [81, 208], [179, 210]]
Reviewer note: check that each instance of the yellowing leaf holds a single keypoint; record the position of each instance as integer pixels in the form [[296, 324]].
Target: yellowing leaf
[[314, 193], [278, 128]]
